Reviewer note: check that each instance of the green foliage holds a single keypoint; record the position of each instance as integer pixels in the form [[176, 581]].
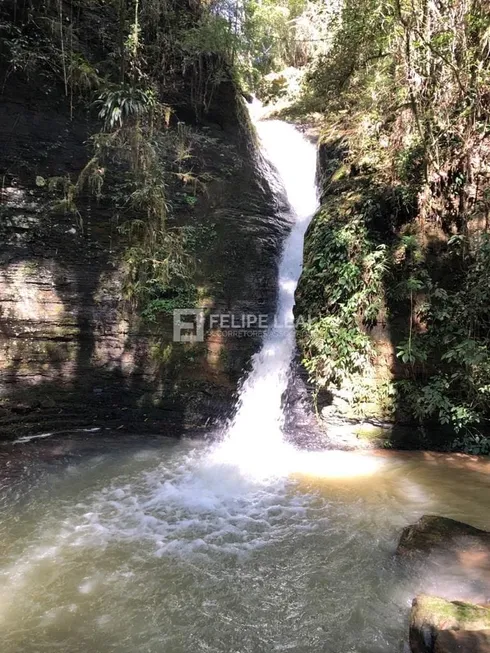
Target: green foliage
[[341, 287], [441, 312], [409, 164], [212, 35], [455, 346], [199, 237], [269, 34], [447, 362], [117, 105], [64, 194], [254, 37], [340, 76], [25, 51], [164, 301], [412, 79], [161, 264], [82, 75], [337, 349], [405, 84], [473, 442]]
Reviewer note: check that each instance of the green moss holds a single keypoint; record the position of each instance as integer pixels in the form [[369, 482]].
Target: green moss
[[341, 173], [369, 432], [439, 613], [31, 268]]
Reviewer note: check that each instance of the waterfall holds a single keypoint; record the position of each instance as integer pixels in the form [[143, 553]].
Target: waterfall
[[257, 429]]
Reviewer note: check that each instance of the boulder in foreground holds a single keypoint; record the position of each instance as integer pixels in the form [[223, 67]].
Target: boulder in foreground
[[431, 532], [432, 616]]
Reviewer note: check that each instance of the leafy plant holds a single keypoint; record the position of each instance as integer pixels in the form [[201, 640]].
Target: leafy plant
[[165, 301], [117, 105]]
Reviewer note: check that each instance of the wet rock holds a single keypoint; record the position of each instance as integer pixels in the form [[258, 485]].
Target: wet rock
[[349, 434], [431, 615], [22, 409], [462, 641], [48, 402], [432, 532]]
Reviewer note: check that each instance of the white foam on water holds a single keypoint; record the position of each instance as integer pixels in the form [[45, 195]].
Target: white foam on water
[[193, 509], [39, 436]]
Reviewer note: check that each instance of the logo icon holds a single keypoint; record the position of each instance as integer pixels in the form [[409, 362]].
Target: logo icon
[[188, 325]]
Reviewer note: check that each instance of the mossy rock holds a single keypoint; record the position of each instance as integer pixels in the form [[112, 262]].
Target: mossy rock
[[431, 532], [432, 614]]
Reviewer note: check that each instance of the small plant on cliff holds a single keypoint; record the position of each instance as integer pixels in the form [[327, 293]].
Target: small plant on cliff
[[83, 77], [163, 301], [117, 105]]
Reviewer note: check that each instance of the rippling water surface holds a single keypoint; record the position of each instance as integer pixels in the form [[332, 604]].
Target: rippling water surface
[[161, 546]]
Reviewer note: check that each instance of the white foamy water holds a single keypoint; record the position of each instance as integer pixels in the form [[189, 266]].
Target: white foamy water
[[258, 424]]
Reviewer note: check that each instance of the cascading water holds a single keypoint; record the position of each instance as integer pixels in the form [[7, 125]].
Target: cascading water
[[260, 416]]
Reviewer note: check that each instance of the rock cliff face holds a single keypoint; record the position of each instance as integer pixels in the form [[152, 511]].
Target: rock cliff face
[[355, 358], [73, 351]]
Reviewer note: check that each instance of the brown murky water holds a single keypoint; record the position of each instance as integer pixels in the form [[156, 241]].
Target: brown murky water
[[153, 545]]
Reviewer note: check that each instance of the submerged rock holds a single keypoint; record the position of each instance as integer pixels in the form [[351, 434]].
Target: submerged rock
[[431, 532], [434, 622]]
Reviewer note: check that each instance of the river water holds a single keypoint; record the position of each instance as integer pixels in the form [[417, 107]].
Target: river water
[[241, 544], [159, 546]]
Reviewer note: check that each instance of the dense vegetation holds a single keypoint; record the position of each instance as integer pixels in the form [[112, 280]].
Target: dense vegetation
[[144, 74], [134, 68], [398, 258], [401, 241]]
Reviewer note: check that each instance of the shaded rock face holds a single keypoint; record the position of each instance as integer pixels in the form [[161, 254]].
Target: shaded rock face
[[440, 625], [453, 554], [72, 351], [359, 398], [301, 425], [459, 641]]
